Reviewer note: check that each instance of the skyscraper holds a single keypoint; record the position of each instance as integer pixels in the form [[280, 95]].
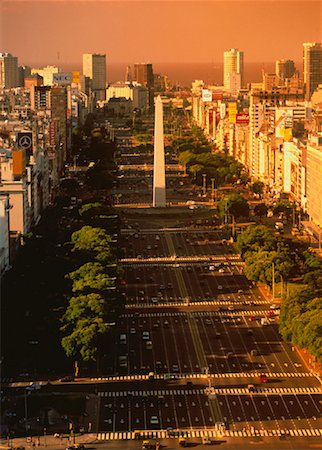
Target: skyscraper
[[143, 74], [8, 71], [233, 63], [284, 68], [94, 67], [312, 67]]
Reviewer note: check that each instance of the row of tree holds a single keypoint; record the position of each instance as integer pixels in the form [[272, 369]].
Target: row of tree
[[195, 153], [267, 255], [94, 303]]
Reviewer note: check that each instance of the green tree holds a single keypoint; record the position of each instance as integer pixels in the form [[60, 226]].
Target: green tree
[[257, 187], [260, 210], [91, 277], [82, 342], [283, 206], [94, 241], [256, 238], [233, 204]]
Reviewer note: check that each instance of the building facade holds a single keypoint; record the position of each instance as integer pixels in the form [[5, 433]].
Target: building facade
[[312, 67]]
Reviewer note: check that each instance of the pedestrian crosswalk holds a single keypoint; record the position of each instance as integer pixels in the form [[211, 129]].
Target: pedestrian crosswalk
[[267, 391], [213, 391], [239, 312], [210, 433], [208, 258], [212, 375], [183, 302]]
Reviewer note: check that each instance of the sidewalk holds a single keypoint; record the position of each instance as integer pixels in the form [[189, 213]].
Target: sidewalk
[[50, 441]]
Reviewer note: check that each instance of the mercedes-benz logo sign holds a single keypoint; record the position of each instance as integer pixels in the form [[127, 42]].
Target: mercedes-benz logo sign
[[25, 142]]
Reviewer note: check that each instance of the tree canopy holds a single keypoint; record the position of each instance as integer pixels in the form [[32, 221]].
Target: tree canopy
[[233, 204]]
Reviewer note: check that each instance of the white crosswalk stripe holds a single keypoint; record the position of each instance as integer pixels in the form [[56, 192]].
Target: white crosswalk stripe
[[203, 302], [213, 375], [211, 433], [214, 391], [200, 313]]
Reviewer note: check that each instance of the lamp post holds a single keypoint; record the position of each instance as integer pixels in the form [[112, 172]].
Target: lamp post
[[204, 183], [273, 280], [212, 190]]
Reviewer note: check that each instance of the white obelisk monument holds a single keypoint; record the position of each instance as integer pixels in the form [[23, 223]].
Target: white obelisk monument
[[159, 200]]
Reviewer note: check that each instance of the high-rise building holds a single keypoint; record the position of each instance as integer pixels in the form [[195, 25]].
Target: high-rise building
[[284, 68], [8, 71], [59, 114], [312, 67], [40, 97], [233, 63], [94, 67], [47, 73], [143, 74]]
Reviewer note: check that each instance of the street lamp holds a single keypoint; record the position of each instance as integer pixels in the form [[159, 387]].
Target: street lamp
[[204, 179], [212, 190]]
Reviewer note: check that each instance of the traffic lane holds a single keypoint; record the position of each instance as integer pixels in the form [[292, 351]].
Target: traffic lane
[[107, 413], [196, 412]]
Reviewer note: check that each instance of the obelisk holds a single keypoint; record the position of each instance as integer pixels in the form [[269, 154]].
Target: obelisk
[[159, 200]]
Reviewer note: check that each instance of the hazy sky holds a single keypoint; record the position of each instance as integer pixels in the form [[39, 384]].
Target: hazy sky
[[157, 31]]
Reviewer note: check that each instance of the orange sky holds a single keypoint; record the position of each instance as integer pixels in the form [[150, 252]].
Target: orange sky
[[157, 31]]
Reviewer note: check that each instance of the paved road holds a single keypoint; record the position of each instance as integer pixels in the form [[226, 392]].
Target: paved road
[[207, 334]]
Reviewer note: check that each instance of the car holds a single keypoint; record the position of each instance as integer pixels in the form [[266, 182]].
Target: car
[[162, 287], [254, 352], [251, 388], [252, 318], [148, 345], [145, 335], [123, 361], [141, 292], [231, 308], [166, 324], [221, 270], [211, 268], [151, 376], [250, 332], [230, 355], [158, 365], [189, 384], [218, 335], [240, 291], [175, 368], [132, 330], [219, 287], [206, 441], [208, 322], [154, 299], [67, 379], [75, 447], [170, 286], [154, 420], [263, 378], [274, 306], [155, 325]]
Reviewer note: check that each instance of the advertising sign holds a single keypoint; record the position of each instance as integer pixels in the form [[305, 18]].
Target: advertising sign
[[242, 119], [222, 110], [283, 122], [206, 95], [52, 134], [217, 96], [62, 78], [76, 76], [24, 140]]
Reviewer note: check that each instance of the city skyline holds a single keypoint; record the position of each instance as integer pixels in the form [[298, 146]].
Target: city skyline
[[216, 25]]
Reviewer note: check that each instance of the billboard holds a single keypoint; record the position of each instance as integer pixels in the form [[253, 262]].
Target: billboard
[[52, 134], [62, 78], [217, 96], [76, 76], [206, 95], [242, 119], [222, 110], [283, 123], [24, 141]]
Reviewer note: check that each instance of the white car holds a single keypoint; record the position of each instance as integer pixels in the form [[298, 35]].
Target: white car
[[132, 330], [274, 306], [154, 420], [220, 287], [145, 335], [211, 267]]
